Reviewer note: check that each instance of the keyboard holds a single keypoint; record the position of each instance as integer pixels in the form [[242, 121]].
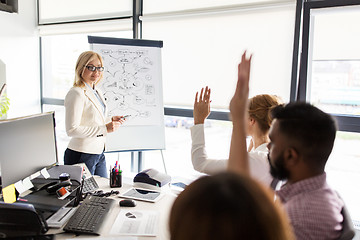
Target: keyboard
[[90, 215], [90, 185]]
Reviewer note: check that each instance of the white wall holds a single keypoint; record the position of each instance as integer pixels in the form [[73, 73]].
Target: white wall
[[19, 50]]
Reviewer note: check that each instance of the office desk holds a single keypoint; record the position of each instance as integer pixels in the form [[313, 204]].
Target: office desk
[[162, 206]]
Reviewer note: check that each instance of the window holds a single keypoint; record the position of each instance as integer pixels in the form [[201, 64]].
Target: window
[[61, 137], [177, 155], [164, 6], [335, 86], [329, 74], [59, 55], [203, 43], [52, 11], [204, 49], [329, 78], [334, 60], [343, 172]]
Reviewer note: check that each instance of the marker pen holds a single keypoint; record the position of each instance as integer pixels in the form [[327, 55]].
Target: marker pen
[[124, 117]]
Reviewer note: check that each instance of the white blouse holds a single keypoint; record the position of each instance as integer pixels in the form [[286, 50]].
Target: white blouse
[[258, 162]]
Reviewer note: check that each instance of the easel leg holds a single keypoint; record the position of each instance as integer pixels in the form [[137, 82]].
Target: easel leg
[[162, 157]]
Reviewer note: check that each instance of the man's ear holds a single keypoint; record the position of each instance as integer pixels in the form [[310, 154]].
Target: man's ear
[[291, 157]]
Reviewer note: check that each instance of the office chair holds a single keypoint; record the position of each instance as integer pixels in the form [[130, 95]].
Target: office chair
[[20, 220], [348, 231]]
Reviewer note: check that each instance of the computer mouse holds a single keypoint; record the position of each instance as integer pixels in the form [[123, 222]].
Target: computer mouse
[[127, 203]]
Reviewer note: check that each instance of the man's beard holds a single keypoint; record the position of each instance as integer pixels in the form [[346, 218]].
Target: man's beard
[[278, 170]]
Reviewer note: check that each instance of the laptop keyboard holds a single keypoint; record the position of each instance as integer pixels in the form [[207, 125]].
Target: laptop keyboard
[[90, 185]]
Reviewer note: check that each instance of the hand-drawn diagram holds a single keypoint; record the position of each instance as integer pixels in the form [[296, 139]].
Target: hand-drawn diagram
[[131, 83]]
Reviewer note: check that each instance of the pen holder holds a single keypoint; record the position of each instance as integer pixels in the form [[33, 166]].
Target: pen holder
[[115, 179]]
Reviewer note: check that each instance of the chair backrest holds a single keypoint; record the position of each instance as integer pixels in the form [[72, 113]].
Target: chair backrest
[[19, 220], [274, 183], [348, 231]]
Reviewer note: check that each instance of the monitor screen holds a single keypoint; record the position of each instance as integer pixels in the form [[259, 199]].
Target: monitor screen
[[27, 145]]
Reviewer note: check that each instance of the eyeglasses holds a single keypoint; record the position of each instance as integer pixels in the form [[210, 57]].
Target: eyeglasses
[[93, 68]]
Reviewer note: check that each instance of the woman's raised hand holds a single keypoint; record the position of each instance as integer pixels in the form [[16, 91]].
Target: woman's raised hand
[[202, 105]]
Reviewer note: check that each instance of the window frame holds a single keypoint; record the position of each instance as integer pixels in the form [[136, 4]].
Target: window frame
[[345, 122], [67, 20]]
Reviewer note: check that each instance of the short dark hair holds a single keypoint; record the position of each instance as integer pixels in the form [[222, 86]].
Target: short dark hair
[[310, 129]]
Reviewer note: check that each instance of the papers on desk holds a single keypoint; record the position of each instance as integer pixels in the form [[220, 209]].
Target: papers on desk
[[136, 223]]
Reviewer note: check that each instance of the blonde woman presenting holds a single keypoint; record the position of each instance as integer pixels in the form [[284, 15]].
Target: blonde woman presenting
[[85, 116]]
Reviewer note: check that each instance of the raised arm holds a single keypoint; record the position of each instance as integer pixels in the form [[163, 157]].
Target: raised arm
[[202, 105], [238, 157]]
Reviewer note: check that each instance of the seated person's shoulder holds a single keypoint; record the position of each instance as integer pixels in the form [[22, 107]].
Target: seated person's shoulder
[[316, 212], [320, 199]]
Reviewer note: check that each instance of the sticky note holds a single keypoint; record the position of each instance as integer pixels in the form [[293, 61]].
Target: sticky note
[[45, 173], [35, 175], [19, 186], [27, 183], [9, 194]]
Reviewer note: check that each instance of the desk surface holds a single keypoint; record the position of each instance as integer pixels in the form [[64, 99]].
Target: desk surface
[[162, 206]]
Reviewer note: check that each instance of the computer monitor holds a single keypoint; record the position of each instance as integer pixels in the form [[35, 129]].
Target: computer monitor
[[27, 145]]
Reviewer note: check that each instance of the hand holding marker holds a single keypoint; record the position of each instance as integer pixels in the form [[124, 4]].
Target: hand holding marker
[[115, 123], [125, 117]]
